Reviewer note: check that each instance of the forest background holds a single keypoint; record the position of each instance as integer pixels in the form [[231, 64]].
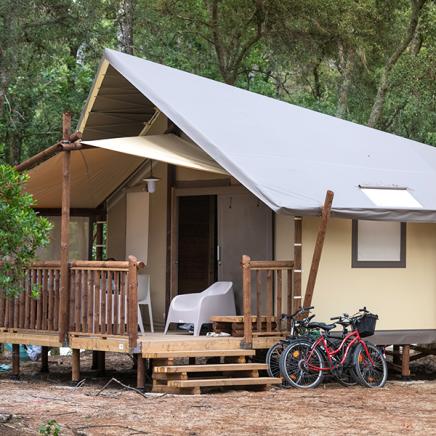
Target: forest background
[[368, 61]]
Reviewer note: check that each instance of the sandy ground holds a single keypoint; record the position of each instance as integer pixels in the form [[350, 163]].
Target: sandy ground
[[400, 407]]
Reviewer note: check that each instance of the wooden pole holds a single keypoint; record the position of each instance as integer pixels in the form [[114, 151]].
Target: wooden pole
[[65, 223], [75, 365], [318, 249], [405, 362], [44, 359], [298, 246], [15, 361], [246, 290], [132, 302]]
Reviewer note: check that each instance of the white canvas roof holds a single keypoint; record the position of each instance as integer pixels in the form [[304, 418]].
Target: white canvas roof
[[165, 148], [287, 155]]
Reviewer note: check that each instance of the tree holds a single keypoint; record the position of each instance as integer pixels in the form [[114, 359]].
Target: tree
[[383, 85], [22, 231]]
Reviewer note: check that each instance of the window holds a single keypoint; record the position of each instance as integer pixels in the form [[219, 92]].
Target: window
[[378, 244]]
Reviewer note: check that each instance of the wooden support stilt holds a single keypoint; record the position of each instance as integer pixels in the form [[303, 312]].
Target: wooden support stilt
[[140, 372], [44, 359], [318, 249], [405, 362], [65, 223], [15, 361], [75, 365]]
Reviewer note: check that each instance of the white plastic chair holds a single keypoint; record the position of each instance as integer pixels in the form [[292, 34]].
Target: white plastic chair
[[217, 299], [144, 298]]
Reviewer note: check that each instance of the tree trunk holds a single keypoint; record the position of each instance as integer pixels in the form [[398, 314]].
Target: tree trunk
[[344, 89], [125, 23], [377, 108]]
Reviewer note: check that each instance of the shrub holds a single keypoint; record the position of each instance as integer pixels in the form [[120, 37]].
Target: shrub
[[22, 230]]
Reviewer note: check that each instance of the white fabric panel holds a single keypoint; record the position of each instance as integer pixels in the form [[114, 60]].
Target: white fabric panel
[[137, 218], [378, 241], [79, 242], [286, 155], [165, 148], [391, 197]]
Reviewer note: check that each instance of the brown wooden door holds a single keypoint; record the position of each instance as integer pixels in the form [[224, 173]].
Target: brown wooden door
[[244, 227], [196, 243]]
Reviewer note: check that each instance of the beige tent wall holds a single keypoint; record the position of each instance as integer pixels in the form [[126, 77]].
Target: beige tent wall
[[157, 245], [404, 298], [116, 229], [284, 246]]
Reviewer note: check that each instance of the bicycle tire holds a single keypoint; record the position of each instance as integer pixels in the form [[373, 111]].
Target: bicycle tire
[[293, 366], [273, 361], [369, 375]]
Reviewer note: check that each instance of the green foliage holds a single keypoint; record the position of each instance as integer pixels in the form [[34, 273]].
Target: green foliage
[[326, 55], [51, 428], [22, 231]]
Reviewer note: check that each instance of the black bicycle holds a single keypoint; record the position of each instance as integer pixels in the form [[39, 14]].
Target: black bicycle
[[299, 328]]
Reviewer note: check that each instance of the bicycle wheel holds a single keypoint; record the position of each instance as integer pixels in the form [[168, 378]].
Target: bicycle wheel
[[273, 362], [298, 368], [370, 374]]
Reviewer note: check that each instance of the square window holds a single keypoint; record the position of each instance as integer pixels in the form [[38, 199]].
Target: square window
[[378, 244]]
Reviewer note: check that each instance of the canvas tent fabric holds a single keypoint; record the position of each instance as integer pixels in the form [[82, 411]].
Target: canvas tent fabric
[[95, 174], [286, 155], [165, 148]]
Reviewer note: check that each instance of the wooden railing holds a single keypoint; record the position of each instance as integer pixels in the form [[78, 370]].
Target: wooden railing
[[268, 303], [37, 308], [102, 299]]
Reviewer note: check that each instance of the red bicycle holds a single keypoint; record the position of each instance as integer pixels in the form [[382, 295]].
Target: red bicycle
[[304, 363]]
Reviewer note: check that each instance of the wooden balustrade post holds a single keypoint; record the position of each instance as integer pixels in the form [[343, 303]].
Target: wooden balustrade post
[[318, 249], [246, 290], [132, 302], [15, 361], [65, 239]]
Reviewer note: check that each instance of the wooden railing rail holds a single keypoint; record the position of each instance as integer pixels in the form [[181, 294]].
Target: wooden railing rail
[[103, 298], [265, 273], [37, 307]]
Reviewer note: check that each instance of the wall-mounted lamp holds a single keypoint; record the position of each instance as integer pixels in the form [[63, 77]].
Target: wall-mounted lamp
[[150, 180]]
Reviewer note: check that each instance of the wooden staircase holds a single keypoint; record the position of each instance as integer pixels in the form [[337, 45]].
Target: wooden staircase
[[190, 379]]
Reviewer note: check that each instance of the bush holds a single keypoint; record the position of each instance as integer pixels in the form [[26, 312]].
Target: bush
[[22, 231]]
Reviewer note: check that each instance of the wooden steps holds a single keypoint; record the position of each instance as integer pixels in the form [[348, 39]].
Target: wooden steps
[[190, 379], [224, 367], [197, 353], [213, 382]]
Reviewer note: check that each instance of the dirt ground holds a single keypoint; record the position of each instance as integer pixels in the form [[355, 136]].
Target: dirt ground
[[400, 407]]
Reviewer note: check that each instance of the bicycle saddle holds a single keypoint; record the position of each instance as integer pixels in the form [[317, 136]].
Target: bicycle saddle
[[322, 326]]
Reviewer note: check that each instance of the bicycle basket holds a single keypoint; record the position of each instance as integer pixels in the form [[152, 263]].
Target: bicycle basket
[[366, 324]]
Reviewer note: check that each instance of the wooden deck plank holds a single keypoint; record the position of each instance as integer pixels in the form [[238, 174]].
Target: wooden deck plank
[[199, 353], [244, 381], [210, 368]]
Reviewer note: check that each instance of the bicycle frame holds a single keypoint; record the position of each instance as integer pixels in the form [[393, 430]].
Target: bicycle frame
[[329, 352]]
